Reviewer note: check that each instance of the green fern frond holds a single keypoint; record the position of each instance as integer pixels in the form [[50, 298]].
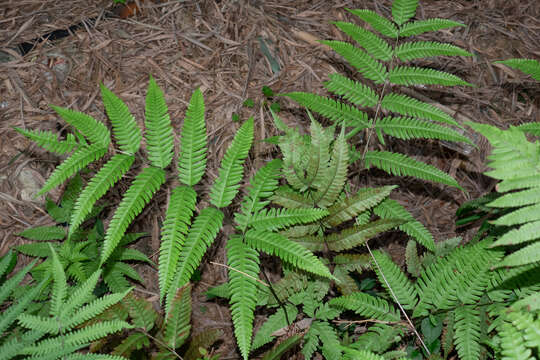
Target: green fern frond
[[93, 309], [403, 10], [173, 231], [467, 332], [135, 341], [49, 141], [422, 26], [333, 110], [350, 207], [367, 306], [125, 129], [331, 185], [402, 288], [227, 184], [13, 346], [524, 233], [287, 197], [275, 219], [374, 45], [285, 249], [353, 91], [409, 128], [377, 22], [527, 255], [520, 216], [422, 49], [81, 295], [243, 274], [532, 128], [44, 233], [7, 317], [359, 59], [529, 325], [106, 177], [528, 66], [10, 284], [330, 341], [410, 75], [159, 132], [78, 160], [512, 342], [391, 209], [516, 199], [178, 322], [92, 129], [282, 348], [359, 234], [135, 198], [59, 289], [274, 322], [193, 143], [353, 354], [202, 233], [261, 187], [142, 313], [319, 154], [406, 105], [401, 165]]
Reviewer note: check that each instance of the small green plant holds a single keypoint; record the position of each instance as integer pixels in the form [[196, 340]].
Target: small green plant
[[380, 108]]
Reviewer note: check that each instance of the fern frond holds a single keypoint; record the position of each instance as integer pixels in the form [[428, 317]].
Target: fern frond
[[243, 274], [359, 59], [422, 26], [401, 165], [403, 10], [193, 143], [331, 185], [261, 187], [516, 199], [135, 341], [391, 209], [367, 306], [512, 342], [141, 311], [178, 322], [406, 105], [159, 132], [202, 233], [524, 233], [274, 322], [78, 160], [10, 284], [410, 128], [49, 141], [285, 249], [59, 288], [125, 129], [81, 295], [353, 354], [353, 91], [410, 75], [94, 308], [401, 286], [92, 129], [227, 184], [275, 219], [377, 22], [115, 280], [359, 234], [532, 128], [528, 66], [13, 346], [467, 332], [520, 216], [334, 110], [319, 154], [202, 341], [174, 228], [282, 348], [527, 255], [330, 341], [374, 45], [287, 197], [135, 198], [422, 49], [106, 177], [44, 233], [40, 323], [350, 207]]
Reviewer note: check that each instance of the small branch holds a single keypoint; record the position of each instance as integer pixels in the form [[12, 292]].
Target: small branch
[[241, 272]]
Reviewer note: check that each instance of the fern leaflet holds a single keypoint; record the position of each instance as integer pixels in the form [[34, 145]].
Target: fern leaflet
[[49, 141], [403, 10], [375, 46], [421, 49], [410, 75], [422, 26], [93, 130], [379, 23], [351, 90]]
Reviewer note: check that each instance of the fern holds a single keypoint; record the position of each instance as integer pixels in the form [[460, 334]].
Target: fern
[[467, 332], [274, 322], [177, 324], [422, 26], [403, 10], [407, 75], [367, 305], [530, 67], [95, 131], [420, 49], [410, 128], [49, 141]]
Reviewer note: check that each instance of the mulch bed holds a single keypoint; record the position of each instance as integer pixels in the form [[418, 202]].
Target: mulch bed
[[219, 46]]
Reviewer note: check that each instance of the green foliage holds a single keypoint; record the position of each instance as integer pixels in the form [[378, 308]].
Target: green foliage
[[387, 62]]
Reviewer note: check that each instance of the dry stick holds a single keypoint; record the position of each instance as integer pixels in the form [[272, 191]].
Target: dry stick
[[397, 301]]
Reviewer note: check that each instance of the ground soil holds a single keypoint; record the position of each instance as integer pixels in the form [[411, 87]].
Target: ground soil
[[216, 46]]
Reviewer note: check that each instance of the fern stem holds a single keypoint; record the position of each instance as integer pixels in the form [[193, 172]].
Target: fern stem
[[276, 297], [241, 272], [157, 341], [397, 302]]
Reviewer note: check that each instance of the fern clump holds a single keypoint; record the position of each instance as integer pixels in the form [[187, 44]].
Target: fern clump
[[383, 57]]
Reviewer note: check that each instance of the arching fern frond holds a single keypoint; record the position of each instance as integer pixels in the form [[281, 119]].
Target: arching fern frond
[[193, 143], [274, 322], [59, 288], [287, 197], [125, 129], [409, 128], [467, 332], [49, 141], [78, 160], [422, 49], [44, 233], [275, 219], [178, 321], [422, 26], [528, 66], [92, 129], [159, 134], [351, 90], [106, 177], [359, 234], [401, 165], [374, 45], [295, 254], [532, 128], [371, 69], [403, 10], [175, 227], [227, 184], [410, 75], [379, 23], [367, 306], [243, 274], [135, 198]]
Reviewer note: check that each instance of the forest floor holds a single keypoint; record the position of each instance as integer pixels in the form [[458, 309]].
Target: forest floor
[[226, 48]]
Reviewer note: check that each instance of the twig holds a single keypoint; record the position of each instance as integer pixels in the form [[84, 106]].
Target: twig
[[241, 272]]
